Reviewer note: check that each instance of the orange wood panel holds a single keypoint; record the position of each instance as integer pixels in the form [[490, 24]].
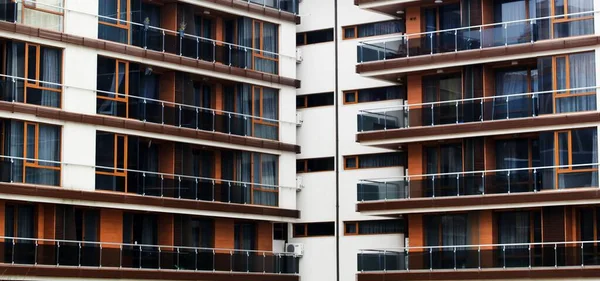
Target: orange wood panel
[[111, 226], [168, 16], [473, 225], [416, 237], [217, 174], [224, 232], [2, 219], [490, 153], [265, 236], [166, 226], [415, 167], [487, 11], [553, 229], [413, 20], [49, 221], [489, 87], [40, 220], [570, 224], [487, 235], [166, 155], [167, 87], [414, 87], [219, 29], [218, 98]]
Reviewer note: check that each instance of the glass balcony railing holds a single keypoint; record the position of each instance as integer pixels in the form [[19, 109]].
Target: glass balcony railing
[[476, 37], [146, 183], [66, 253], [478, 109], [162, 112], [290, 6], [494, 256], [168, 41], [504, 181]]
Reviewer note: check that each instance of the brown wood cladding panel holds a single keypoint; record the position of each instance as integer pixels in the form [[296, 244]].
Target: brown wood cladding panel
[[137, 274], [166, 229], [144, 126], [49, 221], [167, 18], [487, 11], [146, 54], [416, 167], [166, 87], [2, 218], [166, 155], [413, 23], [122, 198], [224, 231], [40, 219], [510, 124], [416, 237], [265, 236], [111, 226], [553, 224]]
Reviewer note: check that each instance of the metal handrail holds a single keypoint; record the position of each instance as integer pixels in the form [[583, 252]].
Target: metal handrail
[[156, 28], [478, 26], [426, 104], [481, 245], [479, 172], [144, 245], [14, 78], [13, 158]]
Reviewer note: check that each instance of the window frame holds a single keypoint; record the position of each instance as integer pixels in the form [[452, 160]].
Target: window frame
[[257, 183], [116, 172], [564, 17], [35, 164], [260, 121], [566, 170], [357, 157], [305, 97], [305, 37], [305, 226], [33, 5], [358, 223], [15, 218], [34, 82], [258, 51], [118, 19], [305, 164], [532, 213], [566, 93], [355, 27], [118, 97]]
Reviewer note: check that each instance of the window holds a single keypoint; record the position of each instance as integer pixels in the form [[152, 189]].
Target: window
[[565, 25], [193, 231], [255, 101], [314, 100], [39, 144], [114, 20], [78, 224], [379, 160], [113, 87], [374, 94], [39, 73], [374, 227], [265, 37], [315, 165], [573, 150], [516, 228], [589, 224], [574, 71], [47, 14], [140, 228], [20, 221], [280, 231], [111, 161], [314, 229], [258, 168], [373, 29], [245, 236], [314, 37]]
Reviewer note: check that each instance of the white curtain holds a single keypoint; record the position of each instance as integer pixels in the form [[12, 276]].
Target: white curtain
[[25, 223], [270, 110], [509, 83], [51, 71], [15, 58], [43, 19], [267, 165], [514, 227], [14, 147], [582, 68], [454, 230], [380, 28], [243, 102], [244, 39], [270, 41]]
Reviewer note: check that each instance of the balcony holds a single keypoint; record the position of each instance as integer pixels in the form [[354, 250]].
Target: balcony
[[475, 110], [47, 253], [477, 260], [371, 54]]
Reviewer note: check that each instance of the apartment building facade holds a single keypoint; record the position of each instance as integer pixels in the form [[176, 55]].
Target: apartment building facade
[[148, 139], [432, 140]]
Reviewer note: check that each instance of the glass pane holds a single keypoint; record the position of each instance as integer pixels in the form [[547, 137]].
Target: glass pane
[[105, 149], [584, 147], [32, 64], [30, 153], [563, 148], [120, 152], [559, 7], [122, 79], [561, 72]]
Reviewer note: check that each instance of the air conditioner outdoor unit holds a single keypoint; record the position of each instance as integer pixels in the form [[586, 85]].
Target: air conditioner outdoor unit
[[299, 119], [299, 184], [299, 56], [295, 248]]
